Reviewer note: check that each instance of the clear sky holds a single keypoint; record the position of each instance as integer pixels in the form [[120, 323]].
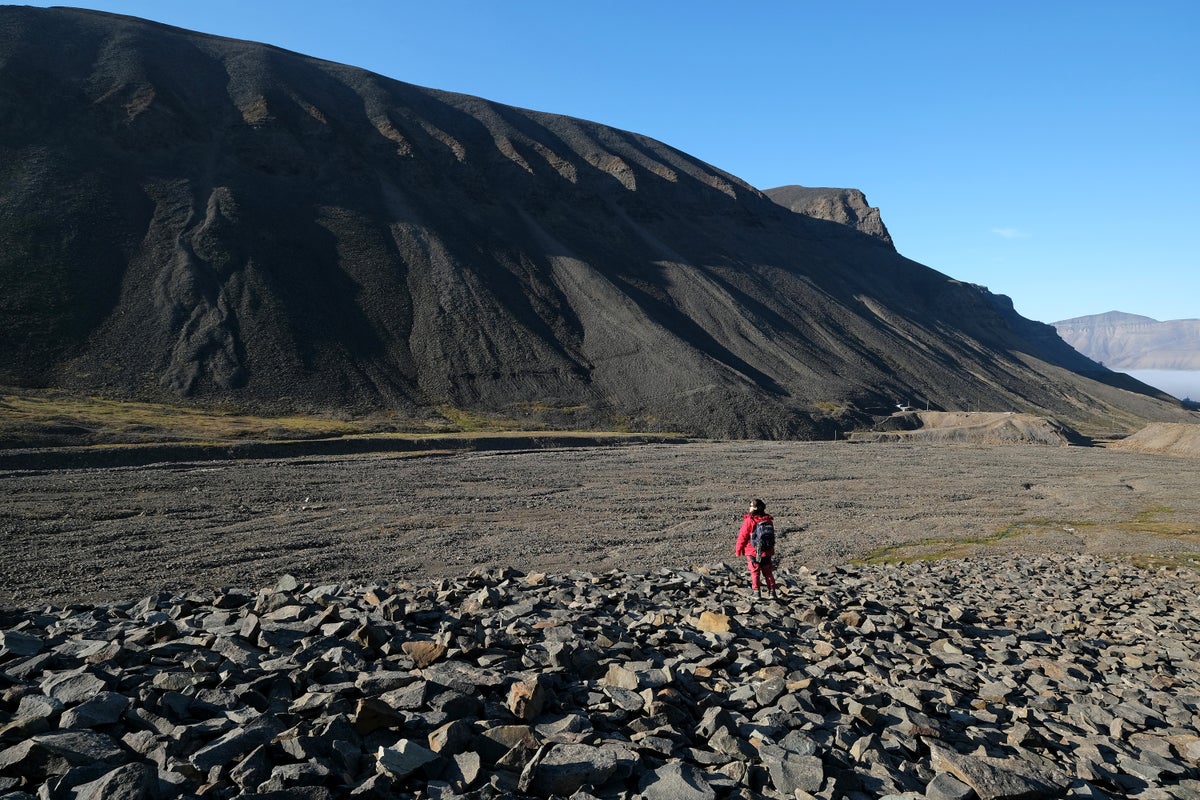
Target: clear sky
[[1047, 149]]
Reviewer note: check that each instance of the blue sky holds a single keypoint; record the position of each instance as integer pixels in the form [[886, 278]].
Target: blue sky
[[1046, 149]]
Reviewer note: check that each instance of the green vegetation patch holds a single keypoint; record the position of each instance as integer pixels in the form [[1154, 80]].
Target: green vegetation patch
[[961, 547], [1155, 561], [1145, 522], [47, 419]]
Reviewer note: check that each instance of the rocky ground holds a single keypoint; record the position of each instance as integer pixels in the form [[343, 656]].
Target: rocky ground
[[114, 534], [526, 624], [997, 678]]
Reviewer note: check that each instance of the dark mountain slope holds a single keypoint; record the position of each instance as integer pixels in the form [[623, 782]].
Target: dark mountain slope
[[189, 217]]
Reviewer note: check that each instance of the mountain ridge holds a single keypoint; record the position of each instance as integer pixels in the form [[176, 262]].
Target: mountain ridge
[[1134, 342], [201, 219]]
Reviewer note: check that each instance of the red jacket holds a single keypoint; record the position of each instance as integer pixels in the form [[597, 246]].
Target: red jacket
[[743, 546]]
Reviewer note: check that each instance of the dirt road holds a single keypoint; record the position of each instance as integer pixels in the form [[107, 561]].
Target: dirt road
[[91, 535]]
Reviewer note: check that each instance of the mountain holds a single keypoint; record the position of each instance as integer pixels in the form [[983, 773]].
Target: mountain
[[189, 218], [845, 206], [1132, 342]]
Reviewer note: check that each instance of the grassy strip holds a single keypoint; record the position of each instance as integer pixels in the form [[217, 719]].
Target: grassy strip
[[1143, 522], [1155, 561], [54, 431], [98, 420], [39, 419], [936, 549]]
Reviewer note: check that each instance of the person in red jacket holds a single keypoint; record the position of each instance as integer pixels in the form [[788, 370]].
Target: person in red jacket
[[761, 569]]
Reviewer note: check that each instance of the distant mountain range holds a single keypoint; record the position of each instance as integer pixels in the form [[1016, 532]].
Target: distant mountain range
[[192, 219], [1131, 342]]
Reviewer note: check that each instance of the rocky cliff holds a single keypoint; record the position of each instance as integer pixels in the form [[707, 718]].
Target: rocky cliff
[[1129, 341], [188, 218], [843, 206]]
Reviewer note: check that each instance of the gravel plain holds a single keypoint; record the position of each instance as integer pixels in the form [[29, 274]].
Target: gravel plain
[[98, 535]]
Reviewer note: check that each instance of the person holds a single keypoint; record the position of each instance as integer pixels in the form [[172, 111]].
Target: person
[[762, 571]]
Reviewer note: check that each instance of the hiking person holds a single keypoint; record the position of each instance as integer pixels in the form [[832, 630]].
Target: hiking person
[[756, 541]]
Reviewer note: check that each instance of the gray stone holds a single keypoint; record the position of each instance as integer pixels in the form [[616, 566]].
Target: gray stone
[[770, 690], [73, 688], [625, 699], [240, 740], [563, 769], [105, 708], [675, 781], [996, 779], [713, 719], [946, 787], [453, 737], [129, 782], [493, 743], [724, 741], [54, 753], [18, 643], [465, 769], [253, 770], [35, 714], [405, 758], [790, 771]]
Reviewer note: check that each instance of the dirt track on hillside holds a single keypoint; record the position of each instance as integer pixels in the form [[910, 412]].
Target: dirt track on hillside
[[91, 535]]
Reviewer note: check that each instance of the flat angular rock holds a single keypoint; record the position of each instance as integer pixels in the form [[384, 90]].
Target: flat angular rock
[[621, 678], [18, 643], [35, 714], [424, 653], [526, 699], [714, 622], [791, 772], [675, 781], [465, 770], [565, 768], [946, 787], [105, 708], [405, 758], [494, 743], [770, 690], [453, 737], [73, 688], [242, 739], [130, 782], [373, 714], [996, 779], [55, 753]]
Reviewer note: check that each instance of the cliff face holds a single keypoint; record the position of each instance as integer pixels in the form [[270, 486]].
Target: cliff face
[[843, 206], [187, 217], [1132, 342]]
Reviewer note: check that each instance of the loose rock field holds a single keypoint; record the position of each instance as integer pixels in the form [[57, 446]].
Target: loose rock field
[[530, 625], [997, 678]]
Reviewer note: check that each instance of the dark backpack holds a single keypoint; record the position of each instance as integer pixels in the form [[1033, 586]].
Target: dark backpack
[[762, 539]]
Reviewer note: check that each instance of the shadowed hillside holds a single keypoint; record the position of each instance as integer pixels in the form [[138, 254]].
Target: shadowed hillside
[[187, 217]]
